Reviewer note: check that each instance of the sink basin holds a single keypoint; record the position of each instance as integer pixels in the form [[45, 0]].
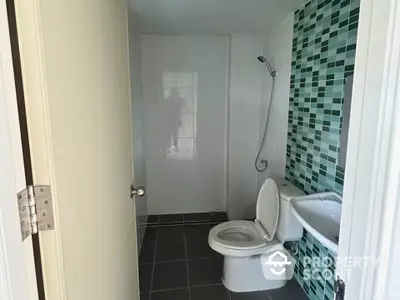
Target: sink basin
[[320, 216]]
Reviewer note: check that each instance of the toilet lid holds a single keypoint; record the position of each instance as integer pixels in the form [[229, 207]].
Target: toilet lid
[[268, 207]]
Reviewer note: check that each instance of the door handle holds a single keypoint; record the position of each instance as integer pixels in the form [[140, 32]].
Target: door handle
[[139, 191]]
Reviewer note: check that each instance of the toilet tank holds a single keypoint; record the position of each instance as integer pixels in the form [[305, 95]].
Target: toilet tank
[[289, 229]]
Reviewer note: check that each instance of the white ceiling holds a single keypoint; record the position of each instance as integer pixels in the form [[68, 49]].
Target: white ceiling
[[211, 16]]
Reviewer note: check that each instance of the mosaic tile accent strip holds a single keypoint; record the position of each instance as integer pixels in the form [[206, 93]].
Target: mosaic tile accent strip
[[323, 55], [316, 277]]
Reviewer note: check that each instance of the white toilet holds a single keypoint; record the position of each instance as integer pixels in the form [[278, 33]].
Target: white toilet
[[244, 242]]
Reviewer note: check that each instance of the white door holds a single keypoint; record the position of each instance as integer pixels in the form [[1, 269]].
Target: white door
[[17, 270], [75, 66], [369, 236]]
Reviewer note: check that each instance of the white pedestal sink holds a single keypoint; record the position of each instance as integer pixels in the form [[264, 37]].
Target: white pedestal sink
[[320, 216]]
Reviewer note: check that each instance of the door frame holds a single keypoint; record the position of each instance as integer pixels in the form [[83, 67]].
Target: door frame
[[17, 267], [32, 56], [371, 191], [19, 89]]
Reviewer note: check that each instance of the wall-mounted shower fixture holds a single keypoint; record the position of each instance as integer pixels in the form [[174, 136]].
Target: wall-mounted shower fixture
[[264, 162], [263, 60]]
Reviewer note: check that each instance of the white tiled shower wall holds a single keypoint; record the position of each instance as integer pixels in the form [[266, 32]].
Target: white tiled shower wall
[[250, 88], [278, 50], [185, 93], [222, 92], [245, 98]]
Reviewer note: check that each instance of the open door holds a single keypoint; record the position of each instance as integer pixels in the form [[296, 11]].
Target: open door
[[75, 70]]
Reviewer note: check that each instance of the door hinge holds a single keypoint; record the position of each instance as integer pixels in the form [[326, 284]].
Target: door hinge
[[35, 210], [339, 289]]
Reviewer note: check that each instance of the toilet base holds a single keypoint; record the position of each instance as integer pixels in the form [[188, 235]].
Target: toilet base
[[245, 274]]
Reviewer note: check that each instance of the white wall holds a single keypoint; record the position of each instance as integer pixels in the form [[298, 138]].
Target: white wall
[[278, 50], [250, 87], [245, 93], [184, 81], [138, 108]]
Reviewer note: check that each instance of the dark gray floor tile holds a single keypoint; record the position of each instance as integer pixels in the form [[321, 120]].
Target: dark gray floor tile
[[145, 272], [170, 250], [179, 294], [292, 290], [262, 295], [197, 249], [168, 232], [197, 230], [209, 292], [197, 241], [196, 217], [169, 276], [170, 219], [151, 219], [150, 235], [147, 252], [144, 296], [170, 244], [205, 271]]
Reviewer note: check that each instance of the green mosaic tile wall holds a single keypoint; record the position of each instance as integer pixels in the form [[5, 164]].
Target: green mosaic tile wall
[[316, 278], [323, 54]]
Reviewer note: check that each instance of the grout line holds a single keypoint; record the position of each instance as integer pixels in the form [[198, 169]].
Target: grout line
[[205, 285], [229, 294], [269, 296], [171, 289], [182, 260], [186, 287], [184, 223], [145, 263], [187, 263], [154, 265], [171, 261]]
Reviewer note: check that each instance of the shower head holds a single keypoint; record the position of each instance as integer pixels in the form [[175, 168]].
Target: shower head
[[263, 60]]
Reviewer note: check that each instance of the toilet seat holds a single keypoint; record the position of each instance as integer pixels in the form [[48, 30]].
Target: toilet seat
[[246, 238], [237, 238]]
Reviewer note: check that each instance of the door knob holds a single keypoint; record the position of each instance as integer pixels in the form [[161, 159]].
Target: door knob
[[139, 191]]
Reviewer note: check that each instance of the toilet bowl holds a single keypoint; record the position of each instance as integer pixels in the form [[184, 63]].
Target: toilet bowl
[[246, 245]]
